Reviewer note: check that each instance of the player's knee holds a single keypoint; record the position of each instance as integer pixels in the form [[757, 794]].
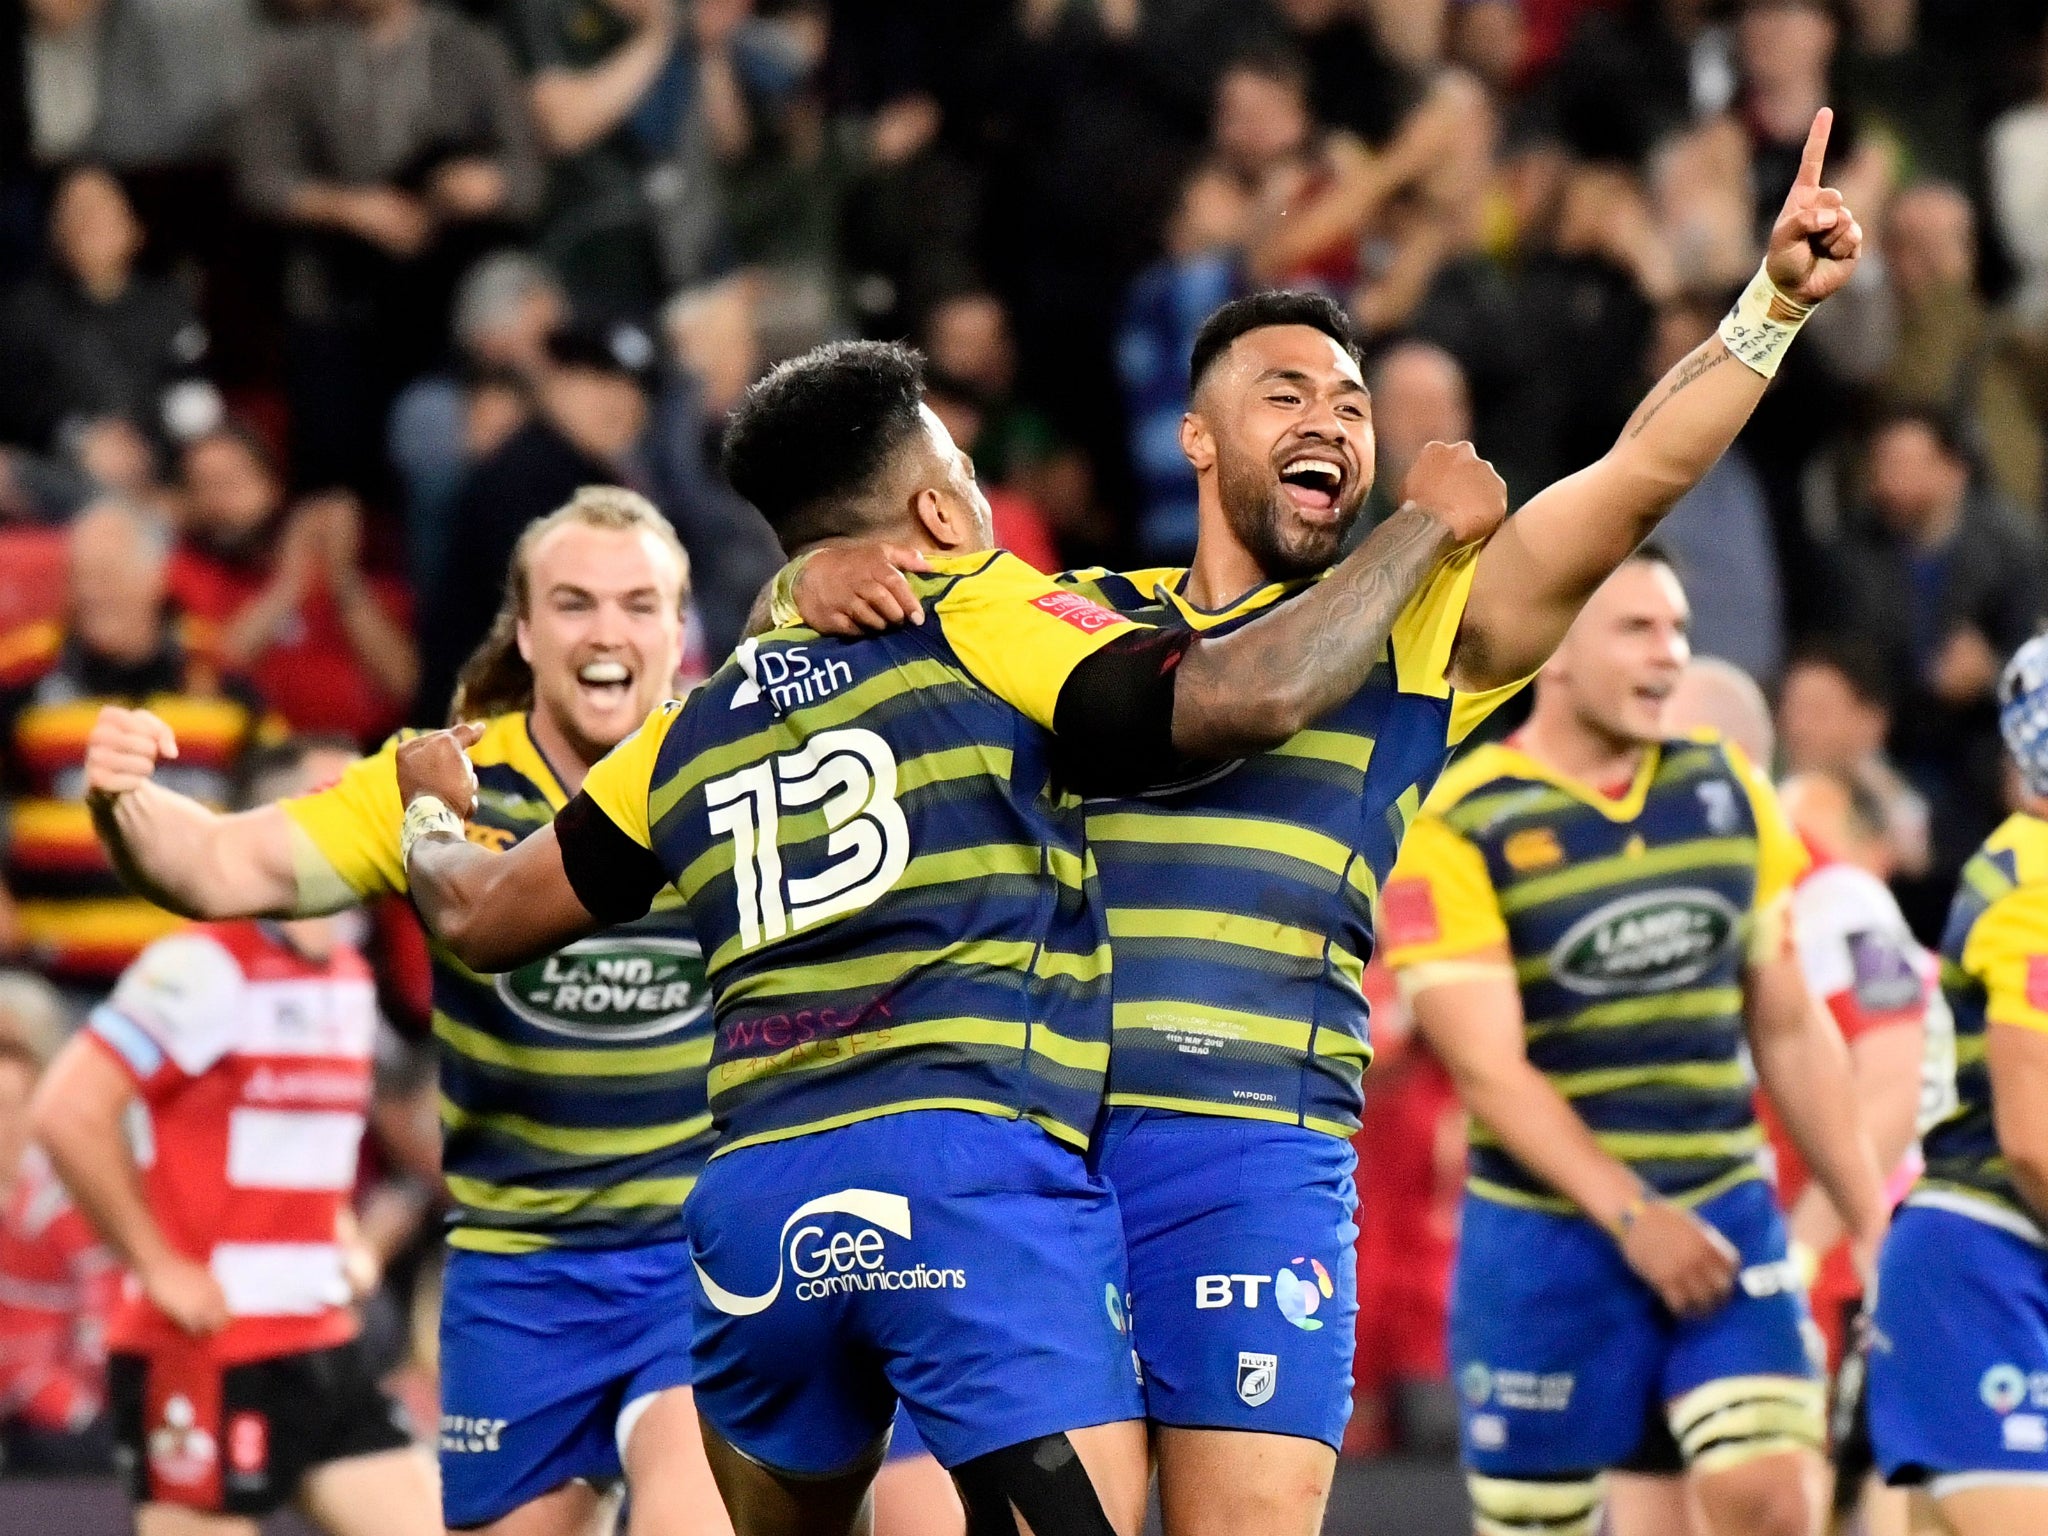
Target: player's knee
[[1041, 1480], [1769, 1497], [1515, 1506]]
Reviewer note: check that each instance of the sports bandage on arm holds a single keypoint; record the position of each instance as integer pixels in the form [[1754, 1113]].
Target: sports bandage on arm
[[783, 612], [1760, 328], [427, 816]]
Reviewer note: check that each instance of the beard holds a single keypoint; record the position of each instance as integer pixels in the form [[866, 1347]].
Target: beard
[[1286, 546]]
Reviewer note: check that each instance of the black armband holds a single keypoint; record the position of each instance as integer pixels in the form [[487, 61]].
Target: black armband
[[613, 876], [1114, 718]]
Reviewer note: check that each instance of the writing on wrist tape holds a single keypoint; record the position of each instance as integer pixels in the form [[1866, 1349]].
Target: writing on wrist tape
[[428, 816], [1760, 328]]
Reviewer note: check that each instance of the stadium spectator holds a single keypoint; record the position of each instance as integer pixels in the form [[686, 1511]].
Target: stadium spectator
[[637, 103], [1162, 312], [391, 140], [907, 226], [1952, 352], [1019, 525], [237, 1379], [1909, 91], [1944, 585], [62, 907], [57, 1282], [592, 410], [92, 339], [1418, 396], [60, 76], [2017, 153], [327, 644], [1835, 716]]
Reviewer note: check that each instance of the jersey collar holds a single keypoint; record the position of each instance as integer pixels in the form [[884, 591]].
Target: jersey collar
[[1174, 594], [1626, 809]]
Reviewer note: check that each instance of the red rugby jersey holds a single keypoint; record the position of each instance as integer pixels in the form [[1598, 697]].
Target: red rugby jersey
[[57, 1285], [254, 1064]]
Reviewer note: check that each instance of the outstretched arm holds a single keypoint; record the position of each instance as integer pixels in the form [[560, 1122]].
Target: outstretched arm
[[185, 856], [1541, 567]]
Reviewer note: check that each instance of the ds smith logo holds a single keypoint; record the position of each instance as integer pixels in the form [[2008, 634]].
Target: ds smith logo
[[839, 1262], [789, 675], [614, 987]]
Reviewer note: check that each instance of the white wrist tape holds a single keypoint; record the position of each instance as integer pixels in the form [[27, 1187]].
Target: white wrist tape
[[428, 816], [1760, 328]]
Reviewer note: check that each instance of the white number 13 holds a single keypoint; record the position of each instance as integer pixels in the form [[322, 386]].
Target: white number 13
[[853, 773]]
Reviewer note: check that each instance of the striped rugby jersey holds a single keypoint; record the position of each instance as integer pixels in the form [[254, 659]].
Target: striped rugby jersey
[[1994, 970], [81, 926], [1631, 923], [572, 1089], [1241, 905], [899, 909]]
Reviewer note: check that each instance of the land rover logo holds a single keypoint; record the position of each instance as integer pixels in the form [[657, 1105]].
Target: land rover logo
[[613, 987], [1647, 942]]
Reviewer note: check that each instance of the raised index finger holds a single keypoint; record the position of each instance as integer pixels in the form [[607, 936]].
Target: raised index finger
[[1816, 149]]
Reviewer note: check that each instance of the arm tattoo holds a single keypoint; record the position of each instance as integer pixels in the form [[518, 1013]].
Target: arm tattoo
[[1256, 687], [1702, 361]]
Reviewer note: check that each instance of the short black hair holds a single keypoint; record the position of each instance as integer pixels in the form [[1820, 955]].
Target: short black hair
[[258, 775], [1256, 311], [1858, 663], [1950, 433], [806, 441]]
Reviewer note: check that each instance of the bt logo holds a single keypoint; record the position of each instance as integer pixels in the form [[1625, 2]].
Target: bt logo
[[1298, 1299]]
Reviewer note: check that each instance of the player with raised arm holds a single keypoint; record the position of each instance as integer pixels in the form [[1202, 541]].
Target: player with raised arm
[[237, 1381], [572, 1106], [1241, 905], [1590, 925], [1958, 1356], [878, 845]]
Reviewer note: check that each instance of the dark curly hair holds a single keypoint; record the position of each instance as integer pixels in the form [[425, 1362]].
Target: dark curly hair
[[1256, 311], [811, 438]]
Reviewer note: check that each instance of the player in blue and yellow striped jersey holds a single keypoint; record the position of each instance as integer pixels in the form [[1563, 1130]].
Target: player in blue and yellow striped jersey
[[1590, 922], [572, 1091], [880, 846], [1958, 1384], [1242, 904]]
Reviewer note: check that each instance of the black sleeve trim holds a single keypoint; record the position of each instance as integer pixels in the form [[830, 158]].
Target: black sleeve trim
[[1114, 718], [613, 876]]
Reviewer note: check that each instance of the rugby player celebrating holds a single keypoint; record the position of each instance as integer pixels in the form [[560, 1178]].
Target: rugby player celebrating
[[572, 1090], [1241, 906], [906, 940]]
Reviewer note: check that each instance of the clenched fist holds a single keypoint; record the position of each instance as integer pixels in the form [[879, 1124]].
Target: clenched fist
[[1459, 489], [438, 764], [123, 750]]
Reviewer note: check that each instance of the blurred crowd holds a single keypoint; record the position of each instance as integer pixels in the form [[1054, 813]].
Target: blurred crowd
[[308, 306]]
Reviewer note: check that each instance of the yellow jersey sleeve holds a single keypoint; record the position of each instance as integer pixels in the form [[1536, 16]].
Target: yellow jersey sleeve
[[1781, 856], [1439, 903], [2008, 951], [1425, 633], [622, 781], [353, 826], [1018, 632]]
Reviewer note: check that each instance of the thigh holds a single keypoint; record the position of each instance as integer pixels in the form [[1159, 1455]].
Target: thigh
[[176, 1520], [670, 1482], [1244, 1276], [1743, 1382], [537, 1351], [1222, 1482], [1959, 1359], [1556, 1348], [381, 1493], [1995, 1509], [765, 1502]]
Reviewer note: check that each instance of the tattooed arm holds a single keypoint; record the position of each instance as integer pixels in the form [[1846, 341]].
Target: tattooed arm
[[1539, 570], [1256, 687]]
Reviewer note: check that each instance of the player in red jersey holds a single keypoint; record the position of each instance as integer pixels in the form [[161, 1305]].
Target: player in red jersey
[[56, 1279], [236, 1380]]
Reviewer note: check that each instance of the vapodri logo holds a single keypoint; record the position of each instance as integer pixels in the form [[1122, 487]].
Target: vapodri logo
[[837, 1263]]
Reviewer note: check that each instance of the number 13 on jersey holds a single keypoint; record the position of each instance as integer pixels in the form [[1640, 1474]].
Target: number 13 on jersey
[[851, 776]]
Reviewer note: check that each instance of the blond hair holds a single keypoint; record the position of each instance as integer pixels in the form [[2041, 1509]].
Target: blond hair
[[496, 679]]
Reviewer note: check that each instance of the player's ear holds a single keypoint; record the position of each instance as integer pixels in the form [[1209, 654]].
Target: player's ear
[[942, 518], [1197, 442], [524, 637]]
